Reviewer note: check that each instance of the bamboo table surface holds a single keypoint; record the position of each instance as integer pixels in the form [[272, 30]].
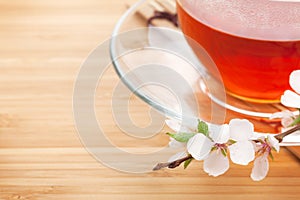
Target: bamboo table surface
[[43, 44]]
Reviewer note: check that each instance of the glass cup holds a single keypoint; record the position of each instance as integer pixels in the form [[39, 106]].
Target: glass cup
[[254, 43]]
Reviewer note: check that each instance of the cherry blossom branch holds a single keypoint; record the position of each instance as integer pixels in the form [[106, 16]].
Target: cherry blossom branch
[[177, 163]]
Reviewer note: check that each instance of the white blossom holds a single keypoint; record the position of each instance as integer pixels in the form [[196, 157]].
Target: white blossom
[[291, 98], [287, 117], [242, 152], [261, 163], [210, 150]]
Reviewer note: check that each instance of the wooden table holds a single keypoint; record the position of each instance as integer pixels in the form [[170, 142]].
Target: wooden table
[[43, 44]]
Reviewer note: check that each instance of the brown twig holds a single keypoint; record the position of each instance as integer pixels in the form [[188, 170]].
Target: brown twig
[[164, 15], [171, 165], [280, 136]]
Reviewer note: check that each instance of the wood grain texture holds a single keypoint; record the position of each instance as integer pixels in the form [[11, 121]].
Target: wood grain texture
[[43, 44]]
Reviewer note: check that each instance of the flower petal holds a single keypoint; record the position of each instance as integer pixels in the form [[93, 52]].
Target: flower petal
[[260, 168], [216, 164], [290, 99], [199, 146], [219, 134], [274, 142], [295, 81], [282, 114], [287, 117], [240, 129], [242, 152], [286, 122], [177, 156]]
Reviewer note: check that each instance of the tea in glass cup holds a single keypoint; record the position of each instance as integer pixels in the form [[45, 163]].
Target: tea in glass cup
[[255, 44]]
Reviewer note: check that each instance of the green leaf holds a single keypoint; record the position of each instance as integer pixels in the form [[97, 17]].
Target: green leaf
[[203, 128], [181, 137], [188, 162], [214, 148], [295, 122], [224, 152], [273, 148], [230, 142], [271, 156]]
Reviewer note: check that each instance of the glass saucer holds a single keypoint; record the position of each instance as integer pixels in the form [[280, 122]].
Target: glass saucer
[[165, 73]]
